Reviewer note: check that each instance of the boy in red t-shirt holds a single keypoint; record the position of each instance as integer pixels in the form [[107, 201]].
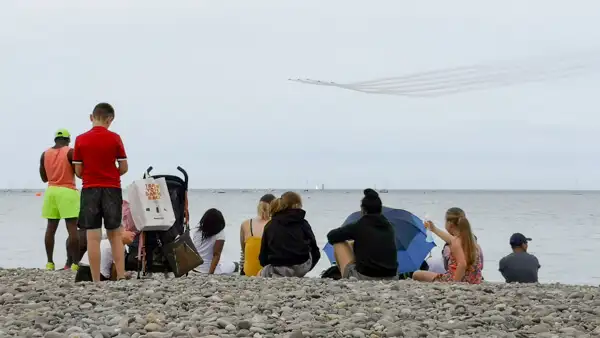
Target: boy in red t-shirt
[[94, 157]]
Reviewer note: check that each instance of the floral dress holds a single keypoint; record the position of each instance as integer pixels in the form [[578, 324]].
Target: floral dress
[[472, 274]]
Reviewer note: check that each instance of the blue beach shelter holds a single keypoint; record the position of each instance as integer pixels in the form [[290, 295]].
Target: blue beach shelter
[[410, 238]]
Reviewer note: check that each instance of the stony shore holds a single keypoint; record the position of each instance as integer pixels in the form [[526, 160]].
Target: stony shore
[[36, 303]]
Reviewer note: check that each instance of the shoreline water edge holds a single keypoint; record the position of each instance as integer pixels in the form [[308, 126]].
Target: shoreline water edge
[[36, 303]]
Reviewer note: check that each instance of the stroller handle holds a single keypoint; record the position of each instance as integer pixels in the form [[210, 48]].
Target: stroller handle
[[147, 173], [185, 176]]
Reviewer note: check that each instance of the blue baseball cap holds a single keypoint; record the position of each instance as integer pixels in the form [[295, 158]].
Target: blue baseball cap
[[518, 239]]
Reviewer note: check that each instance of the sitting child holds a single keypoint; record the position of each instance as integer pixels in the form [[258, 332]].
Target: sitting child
[[465, 262], [126, 222], [84, 274], [209, 240]]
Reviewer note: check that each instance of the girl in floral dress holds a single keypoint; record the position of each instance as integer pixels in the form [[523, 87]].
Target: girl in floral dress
[[465, 263]]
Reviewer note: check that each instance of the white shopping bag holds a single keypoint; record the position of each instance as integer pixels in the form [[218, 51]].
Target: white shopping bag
[[150, 204]]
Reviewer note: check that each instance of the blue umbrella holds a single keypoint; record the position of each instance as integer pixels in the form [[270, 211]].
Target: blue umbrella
[[410, 238]]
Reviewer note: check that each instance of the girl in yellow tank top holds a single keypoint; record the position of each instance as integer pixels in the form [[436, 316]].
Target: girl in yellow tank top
[[251, 237], [251, 251]]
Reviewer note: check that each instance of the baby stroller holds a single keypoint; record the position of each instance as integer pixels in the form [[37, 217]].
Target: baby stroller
[[171, 250]]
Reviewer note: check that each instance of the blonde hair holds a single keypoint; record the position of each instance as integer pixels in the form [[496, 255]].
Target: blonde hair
[[275, 206], [467, 240], [458, 218], [263, 210], [289, 200], [453, 215]]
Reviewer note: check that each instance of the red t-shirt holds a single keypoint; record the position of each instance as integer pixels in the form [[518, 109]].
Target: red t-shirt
[[98, 150]]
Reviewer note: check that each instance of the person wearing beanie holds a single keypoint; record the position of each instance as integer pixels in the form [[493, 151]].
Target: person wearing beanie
[[373, 254]]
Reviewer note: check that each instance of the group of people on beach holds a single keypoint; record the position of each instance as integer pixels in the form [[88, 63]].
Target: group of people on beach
[[278, 242]]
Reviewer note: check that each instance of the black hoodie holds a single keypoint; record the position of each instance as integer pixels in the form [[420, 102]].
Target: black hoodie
[[374, 245], [288, 240]]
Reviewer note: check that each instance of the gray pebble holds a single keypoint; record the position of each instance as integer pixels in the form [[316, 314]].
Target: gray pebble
[[52, 334], [223, 323], [151, 327], [79, 335], [244, 325], [540, 328], [258, 330], [228, 299], [296, 334], [358, 334]]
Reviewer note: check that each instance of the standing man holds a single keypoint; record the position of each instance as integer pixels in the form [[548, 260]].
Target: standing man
[[61, 200], [95, 155], [519, 266]]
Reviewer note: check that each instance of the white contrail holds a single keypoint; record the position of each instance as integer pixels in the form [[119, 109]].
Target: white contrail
[[462, 79]]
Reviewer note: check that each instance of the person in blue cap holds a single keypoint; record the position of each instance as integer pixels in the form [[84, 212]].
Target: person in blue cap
[[519, 266]]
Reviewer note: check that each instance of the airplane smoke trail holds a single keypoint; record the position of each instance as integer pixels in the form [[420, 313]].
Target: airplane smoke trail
[[479, 77]]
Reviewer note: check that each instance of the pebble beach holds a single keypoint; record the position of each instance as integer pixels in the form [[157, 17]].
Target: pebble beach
[[35, 303]]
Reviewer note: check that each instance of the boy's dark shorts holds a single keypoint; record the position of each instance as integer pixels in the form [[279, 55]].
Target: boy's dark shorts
[[99, 204]]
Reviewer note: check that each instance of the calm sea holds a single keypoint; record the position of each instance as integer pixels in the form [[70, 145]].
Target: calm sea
[[564, 225]]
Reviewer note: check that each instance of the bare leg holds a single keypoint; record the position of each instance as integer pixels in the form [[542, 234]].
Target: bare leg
[[93, 247], [424, 276], [81, 235], [118, 252], [343, 254], [82, 242], [49, 238], [69, 257], [73, 241]]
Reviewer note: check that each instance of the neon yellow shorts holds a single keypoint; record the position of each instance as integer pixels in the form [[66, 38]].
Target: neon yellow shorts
[[60, 203]]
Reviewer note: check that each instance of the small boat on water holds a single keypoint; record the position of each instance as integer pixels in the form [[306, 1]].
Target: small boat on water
[[383, 191]]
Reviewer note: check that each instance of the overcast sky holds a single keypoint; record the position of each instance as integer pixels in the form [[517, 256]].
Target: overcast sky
[[203, 84]]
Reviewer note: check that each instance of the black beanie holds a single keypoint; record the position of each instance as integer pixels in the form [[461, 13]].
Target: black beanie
[[371, 203]]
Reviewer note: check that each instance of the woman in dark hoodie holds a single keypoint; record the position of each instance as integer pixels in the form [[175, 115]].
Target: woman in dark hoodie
[[373, 254], [288, 247]]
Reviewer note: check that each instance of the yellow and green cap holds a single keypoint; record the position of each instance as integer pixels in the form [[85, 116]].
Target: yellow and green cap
[[62, 133]]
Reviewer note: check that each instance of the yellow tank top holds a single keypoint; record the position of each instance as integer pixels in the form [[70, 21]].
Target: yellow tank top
[[251, 251]]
